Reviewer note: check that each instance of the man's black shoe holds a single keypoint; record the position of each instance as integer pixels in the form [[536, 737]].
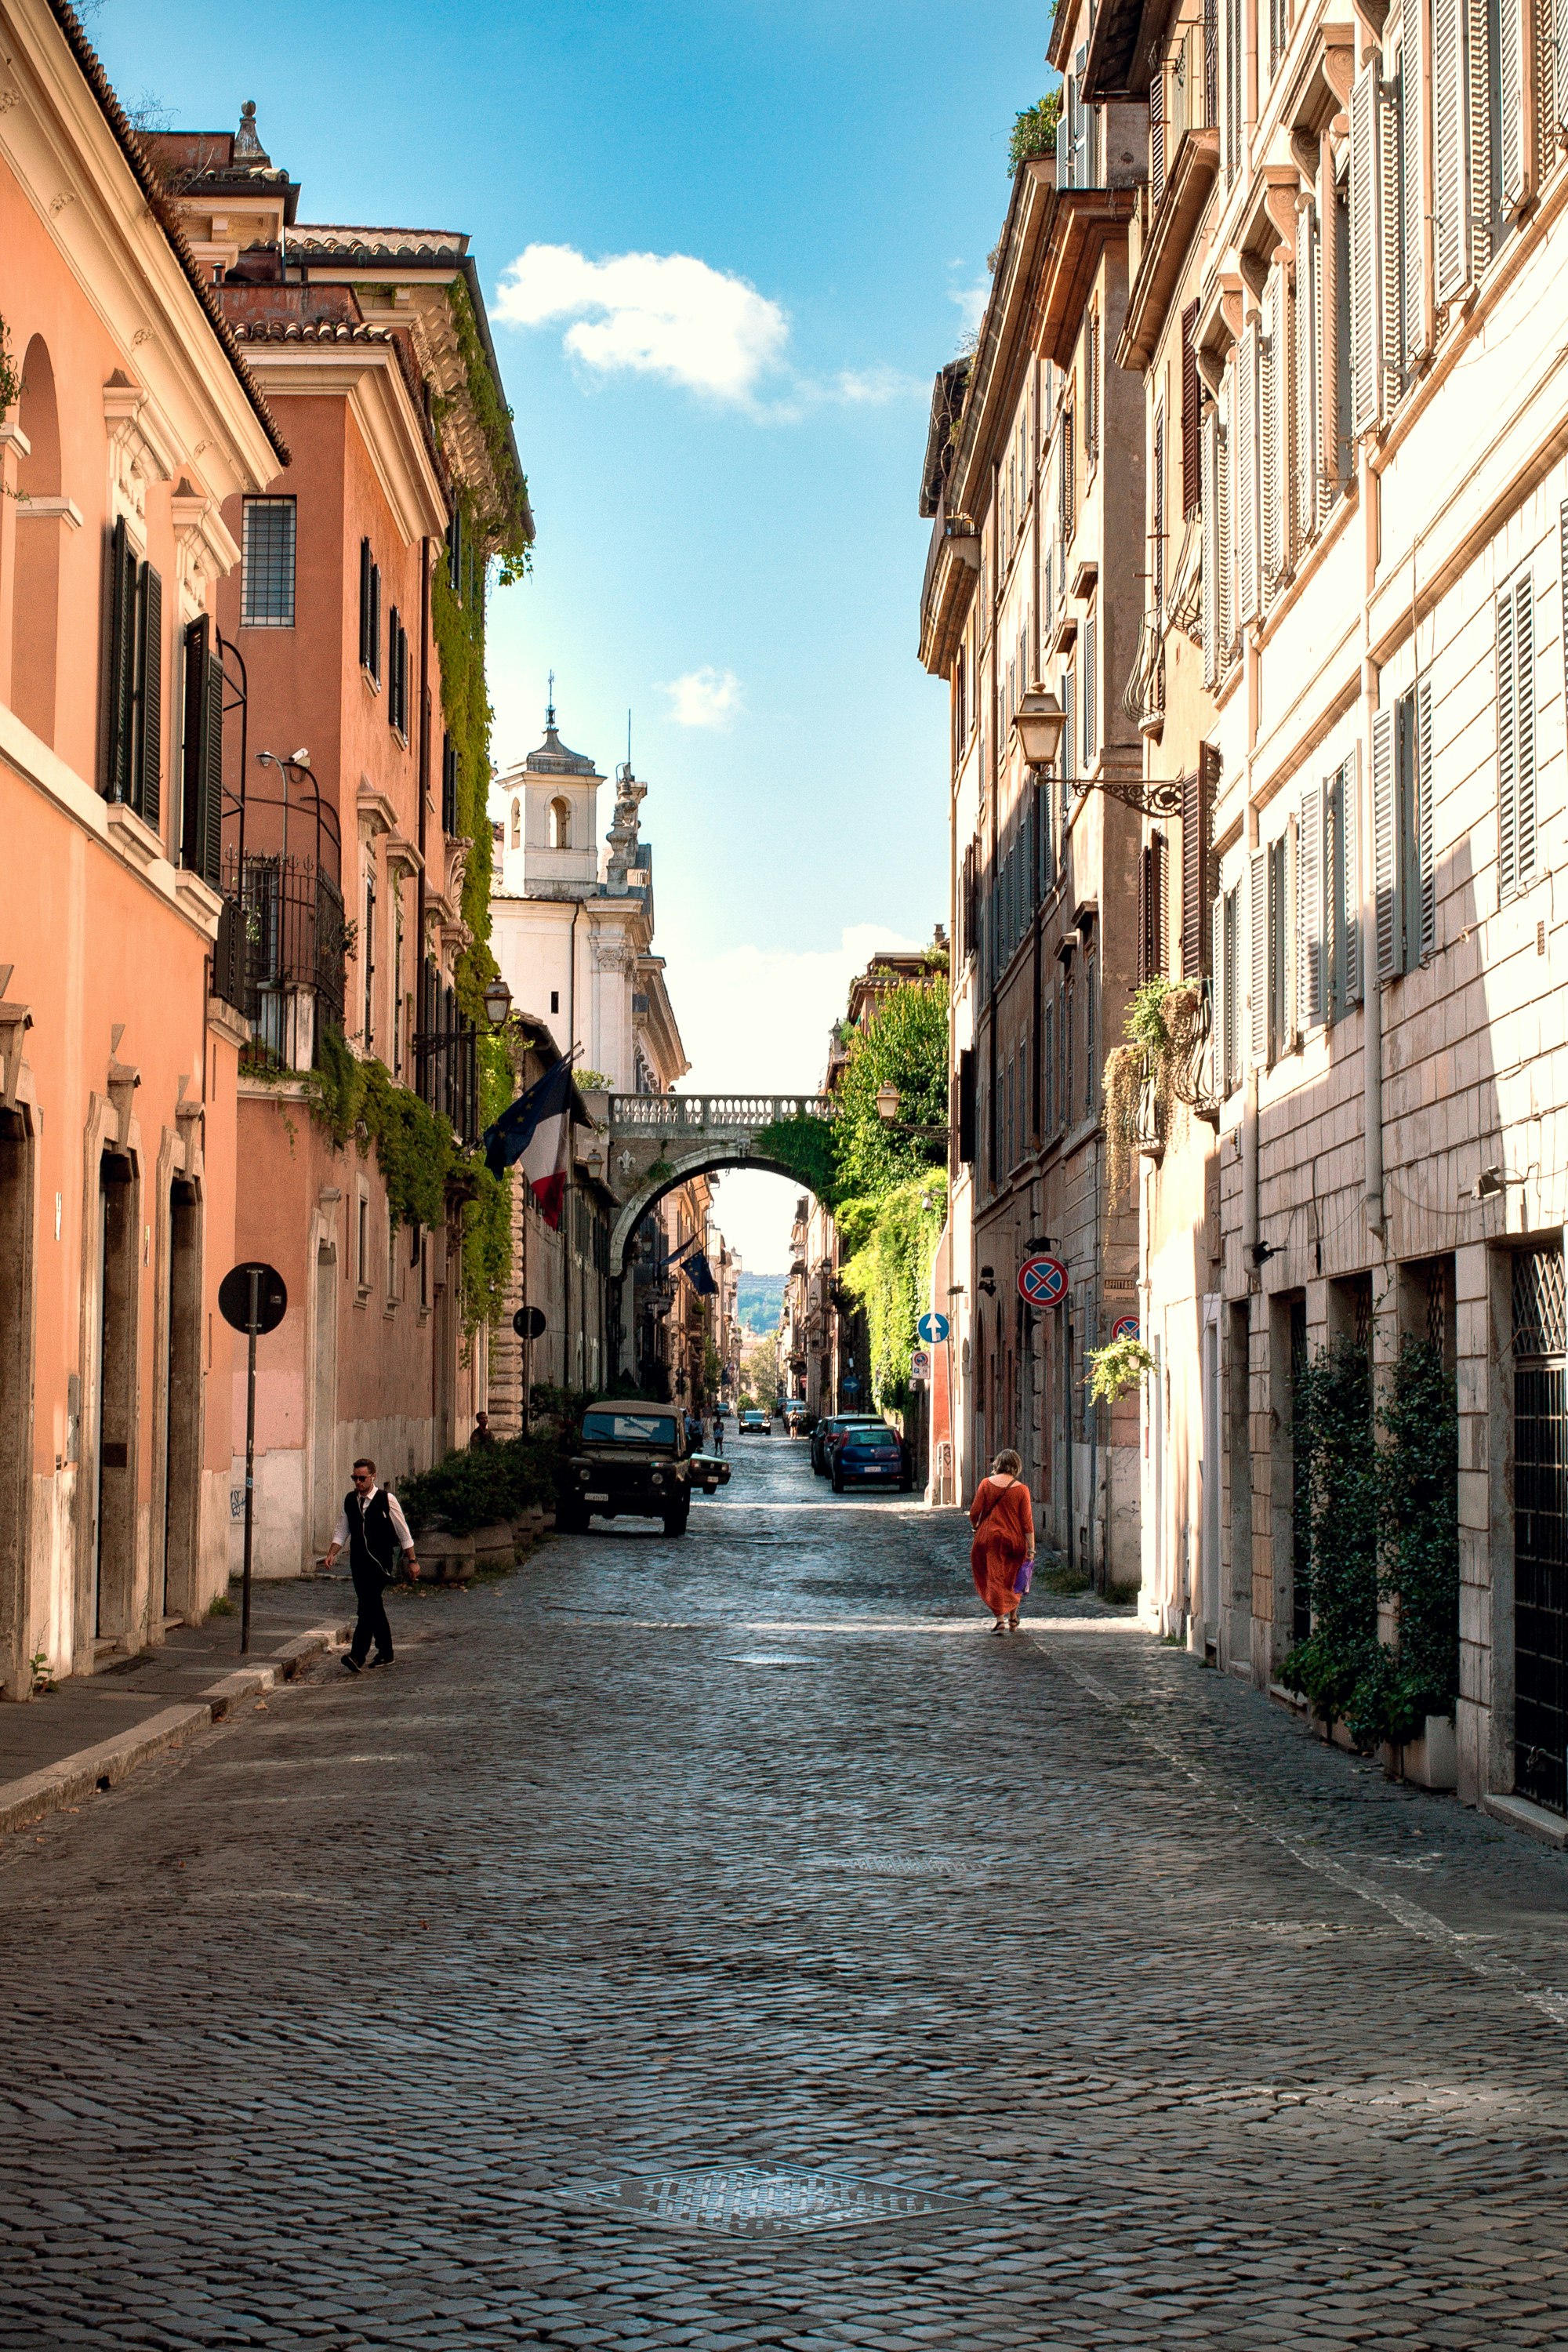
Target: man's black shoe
[[379, 1661], [350, 1663]]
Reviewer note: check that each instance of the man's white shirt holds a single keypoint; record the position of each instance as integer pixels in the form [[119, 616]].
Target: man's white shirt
[[399, 1524]]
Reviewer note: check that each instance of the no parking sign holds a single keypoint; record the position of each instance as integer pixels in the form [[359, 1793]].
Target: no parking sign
[[1043, 1281], [1126, 1327]]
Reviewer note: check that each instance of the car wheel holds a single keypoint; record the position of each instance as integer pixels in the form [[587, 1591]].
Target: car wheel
[[675, 1521], [837, 1484], [569, 1520]]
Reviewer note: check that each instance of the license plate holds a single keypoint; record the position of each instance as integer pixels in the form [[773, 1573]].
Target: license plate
[[595, 1498]]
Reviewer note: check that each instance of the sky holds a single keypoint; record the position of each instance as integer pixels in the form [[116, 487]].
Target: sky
[[724, 245]]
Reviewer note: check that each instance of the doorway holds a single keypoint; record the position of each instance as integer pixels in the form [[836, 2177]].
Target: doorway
[[1214, 1624], [182, 1416], [1539, 1529], [16, 1389], [324, 1410], [113, 1549]]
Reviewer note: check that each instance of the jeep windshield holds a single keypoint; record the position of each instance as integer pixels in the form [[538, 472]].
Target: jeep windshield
[[628, 1429]]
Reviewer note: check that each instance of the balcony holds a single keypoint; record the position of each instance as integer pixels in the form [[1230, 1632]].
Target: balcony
[[282, 943]]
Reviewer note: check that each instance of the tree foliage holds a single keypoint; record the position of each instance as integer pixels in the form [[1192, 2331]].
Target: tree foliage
[[1034, 133]]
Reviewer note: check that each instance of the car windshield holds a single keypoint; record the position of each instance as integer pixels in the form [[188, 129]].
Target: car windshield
[[628, 1429], [872, 1439]]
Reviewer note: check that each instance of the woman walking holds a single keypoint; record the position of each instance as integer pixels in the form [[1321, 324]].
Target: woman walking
[[1002, 1556]]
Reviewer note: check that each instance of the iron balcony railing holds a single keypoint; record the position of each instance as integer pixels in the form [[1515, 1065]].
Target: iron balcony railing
[[282, 943]]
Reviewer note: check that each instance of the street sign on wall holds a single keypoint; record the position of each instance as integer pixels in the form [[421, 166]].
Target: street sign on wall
[[932, 1328], [920, 1365], [1126, 1327], [1043, 1281]]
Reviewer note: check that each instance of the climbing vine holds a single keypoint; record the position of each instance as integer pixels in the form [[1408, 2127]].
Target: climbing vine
[[1382, 1522], [10, 374], [891, 1243], [505, 532]]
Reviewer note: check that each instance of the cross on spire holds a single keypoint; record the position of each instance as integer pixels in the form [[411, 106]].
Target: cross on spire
[[550, 705]]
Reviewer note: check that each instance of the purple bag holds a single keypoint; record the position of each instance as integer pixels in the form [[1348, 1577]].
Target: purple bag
[[1024, 1577]]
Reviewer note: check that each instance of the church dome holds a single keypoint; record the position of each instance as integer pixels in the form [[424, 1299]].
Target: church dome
[[552, 758]]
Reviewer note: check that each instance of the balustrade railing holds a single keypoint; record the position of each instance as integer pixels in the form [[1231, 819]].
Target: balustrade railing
[[703, 1114]]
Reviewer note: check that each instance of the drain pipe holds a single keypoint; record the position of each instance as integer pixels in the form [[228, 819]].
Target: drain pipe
[[1372, 982]]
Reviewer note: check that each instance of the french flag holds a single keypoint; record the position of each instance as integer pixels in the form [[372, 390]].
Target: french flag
[[535, 1129]]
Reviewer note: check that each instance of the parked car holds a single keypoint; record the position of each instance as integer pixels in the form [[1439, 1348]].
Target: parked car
[[631, 1460], [754, 1422], [866, 1457], [709, 1473], [832, 1427]]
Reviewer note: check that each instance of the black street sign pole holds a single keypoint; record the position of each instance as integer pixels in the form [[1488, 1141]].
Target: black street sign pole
[[253, 1326]]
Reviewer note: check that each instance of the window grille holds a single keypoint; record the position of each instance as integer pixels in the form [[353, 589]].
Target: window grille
[[266, 595], [1540, 1320]]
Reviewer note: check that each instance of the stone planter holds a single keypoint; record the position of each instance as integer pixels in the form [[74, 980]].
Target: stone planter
[[1432, 1760], [444, 1559], [495, 1546]]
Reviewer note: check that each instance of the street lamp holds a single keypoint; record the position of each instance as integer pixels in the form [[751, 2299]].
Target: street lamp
[[497, 1001], [888, 1100], [1040, 722]]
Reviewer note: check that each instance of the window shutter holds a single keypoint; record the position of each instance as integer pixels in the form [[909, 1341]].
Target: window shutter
[[1366, 340], [1225, 580], [1232, 89], [1160, 912], [1348, 943], [1412, 323], [376, 621], [1483, 194], [1213, 554], [1272, 435], [1290, 938], [1258, 960], [1146, 920], [195, 749], [1451, 139], [1245, 438], [1557, 51], [1524, 667], [364, 603], [1510, 84], [1090, 669], [1156, 139], [1191, 416], [148, 747], [1192, 878], [120, 669], [1306, 436], [1216, 1008], [1386, 875], [1157, 525], [1426, 865], [211, 782], [1309, 973], [1211, 64], [1507, 752]]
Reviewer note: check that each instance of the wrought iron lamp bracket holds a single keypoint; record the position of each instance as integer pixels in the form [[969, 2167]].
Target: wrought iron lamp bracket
[[1157, 799]]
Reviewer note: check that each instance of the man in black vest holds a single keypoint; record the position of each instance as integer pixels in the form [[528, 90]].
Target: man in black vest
[[371, 1529]]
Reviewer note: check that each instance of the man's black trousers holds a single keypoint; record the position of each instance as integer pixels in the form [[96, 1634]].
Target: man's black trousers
[[371, 1625]]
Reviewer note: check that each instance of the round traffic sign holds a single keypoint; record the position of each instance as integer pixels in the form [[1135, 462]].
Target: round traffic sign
[[1043, 1281], [1125, 1328], [528, 1322], [932, 1328], [235, 1294]]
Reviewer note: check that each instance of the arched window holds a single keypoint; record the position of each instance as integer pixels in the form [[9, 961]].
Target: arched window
[[560, 824], [516, 824], [35, 600]]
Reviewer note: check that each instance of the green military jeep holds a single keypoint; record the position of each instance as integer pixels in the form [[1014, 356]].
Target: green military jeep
[[631, 1461]]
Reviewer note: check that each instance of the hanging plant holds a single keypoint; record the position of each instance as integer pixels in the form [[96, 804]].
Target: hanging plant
[[1117, 1368], [10, 374]]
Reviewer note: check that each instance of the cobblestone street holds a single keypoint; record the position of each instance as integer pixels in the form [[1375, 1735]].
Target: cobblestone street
[[723, 1942]]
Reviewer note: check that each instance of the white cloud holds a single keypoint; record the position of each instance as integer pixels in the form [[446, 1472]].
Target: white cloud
[[972, 301], [874, 387], [657, 314], [704, 697], [756, 1021]]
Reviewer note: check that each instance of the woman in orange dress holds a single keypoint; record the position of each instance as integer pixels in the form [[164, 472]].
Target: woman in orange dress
[[1003, 1526]]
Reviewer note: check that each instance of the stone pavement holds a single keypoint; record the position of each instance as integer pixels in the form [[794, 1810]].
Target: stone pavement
[[726, 1942]]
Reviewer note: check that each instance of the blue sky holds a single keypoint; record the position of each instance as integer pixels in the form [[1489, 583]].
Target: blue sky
[[725, 485]]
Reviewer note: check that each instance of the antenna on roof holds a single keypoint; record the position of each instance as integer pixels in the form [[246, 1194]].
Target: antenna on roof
[[628, 742]]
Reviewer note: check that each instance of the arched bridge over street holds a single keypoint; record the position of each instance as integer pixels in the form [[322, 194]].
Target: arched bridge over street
[[658, 1142]]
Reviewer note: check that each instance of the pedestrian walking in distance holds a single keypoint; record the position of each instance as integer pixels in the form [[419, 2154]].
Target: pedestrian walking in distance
[[372, 1530], [483, 1434], [1002, 1556]]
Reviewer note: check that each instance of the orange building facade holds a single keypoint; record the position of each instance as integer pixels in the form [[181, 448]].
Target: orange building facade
[[129, 423]]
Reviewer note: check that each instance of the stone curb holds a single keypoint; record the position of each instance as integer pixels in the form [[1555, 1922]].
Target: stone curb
[[107, 1763], [101, 1766]]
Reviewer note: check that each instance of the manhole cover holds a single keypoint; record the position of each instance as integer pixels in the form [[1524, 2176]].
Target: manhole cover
[[912, 1865], [744, 2197]]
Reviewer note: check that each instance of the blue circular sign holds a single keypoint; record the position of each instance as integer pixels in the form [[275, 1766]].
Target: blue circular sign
[[933, 1328], [1043, 1281], [1126, 1327]]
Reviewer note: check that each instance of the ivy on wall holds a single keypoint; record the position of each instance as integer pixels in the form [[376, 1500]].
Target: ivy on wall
[[1382, 1523], [893, 1242], [10, 374]]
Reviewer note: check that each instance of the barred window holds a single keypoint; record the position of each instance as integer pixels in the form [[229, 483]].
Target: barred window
[[267, 597]]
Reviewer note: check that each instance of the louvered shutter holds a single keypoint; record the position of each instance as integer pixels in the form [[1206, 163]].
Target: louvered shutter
[[1306, 356], [1413, 336], [1290, 936], [1192, 878], [1257, 957], [376, 621], [1232, 88], [1524, 661], [1211, 64], [120, 669], [1309, 989], [210, 861], [1386, 878], [1477, 68], [1243, 436], [1162, 907], [1146, 920], [193, 746], [1426, 865], [148, 748], [1271, 435], [1451, 139], [1157, 530], [1366, 258], [1213, 553], [1225, 585], [1217, 995], [1558, 21], [1348, 911], [1090, 691], [1507, 752], [1191, 416], [364, 603], [1511, 123], [1156, 139]]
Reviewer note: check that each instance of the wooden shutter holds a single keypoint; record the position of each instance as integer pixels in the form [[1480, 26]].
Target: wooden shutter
[[1257, 958], [1225, 582], [1290, 938], [1213, 553], [1512, 124], [1412, 319], [1271, 436], [1524, 658], [1232, 89], [1306, 356], [201, 780], [376, 621], [1193, 863], [1090, 693], [1347, 910], [1244, 436], [1365, 257], [1191, 416], [364, 640], [1311, 991], [1145, 913], [1557, 48], [119, 668], [1451, 140], [1157, 527], [148, 745], [1427, 939], [1217, 1007], [1387, 877], [1160, 912], [1156, 139], [1478, 65], [1515, 736]]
